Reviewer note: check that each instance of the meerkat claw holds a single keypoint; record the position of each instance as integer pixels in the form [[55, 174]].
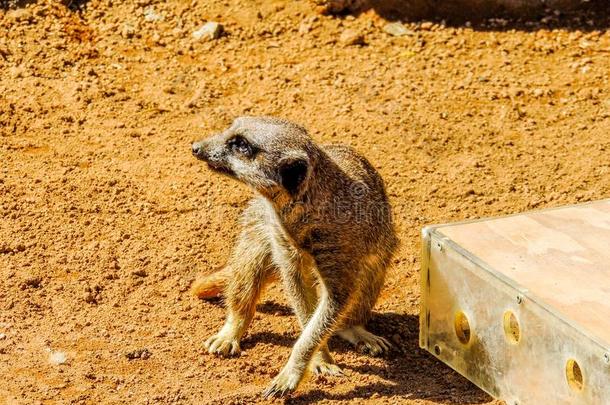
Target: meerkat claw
[[281, 385], [365, 341], [374, 345], [222, 345], [323, 364]]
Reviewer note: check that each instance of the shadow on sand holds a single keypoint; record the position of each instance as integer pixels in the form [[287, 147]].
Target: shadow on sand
[[493, 15], [408, 372]]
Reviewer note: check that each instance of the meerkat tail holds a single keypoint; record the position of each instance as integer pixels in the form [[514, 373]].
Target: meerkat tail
[[211, 285]]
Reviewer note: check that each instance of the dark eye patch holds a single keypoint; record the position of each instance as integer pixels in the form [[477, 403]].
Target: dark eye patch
[[240, 145]]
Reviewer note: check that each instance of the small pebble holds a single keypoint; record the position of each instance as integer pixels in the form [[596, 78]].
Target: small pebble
[[151, 15], [426, 26], [142, 354], [33, 282], [128, 31], [208, 31], [351, 37], [58, 358], [397, 29], [89, 298]]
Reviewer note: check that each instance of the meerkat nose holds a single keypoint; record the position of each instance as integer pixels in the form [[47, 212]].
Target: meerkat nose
[[196, 148]]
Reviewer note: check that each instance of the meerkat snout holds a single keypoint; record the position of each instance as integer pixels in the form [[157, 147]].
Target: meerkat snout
[[270, 155], [197, 149], [212, 153]]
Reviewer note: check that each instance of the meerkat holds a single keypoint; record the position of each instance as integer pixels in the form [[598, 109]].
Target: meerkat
[[320, 222]]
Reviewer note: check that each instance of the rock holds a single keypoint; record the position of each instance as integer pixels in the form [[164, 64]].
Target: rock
[[156, 38], [2, 336], [17, 72], [351, 37], [209, 31], [58, 358], [128, 31], [426, 26], [21, 14], [397, 29], [33, 282], [304, 28], [140, 273], [151, 15], [89, 298], [138, 354]]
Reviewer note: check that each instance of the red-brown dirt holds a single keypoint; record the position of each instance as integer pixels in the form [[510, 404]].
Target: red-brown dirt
[[105, 217]]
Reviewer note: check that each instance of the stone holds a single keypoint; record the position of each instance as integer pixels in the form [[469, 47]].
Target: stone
[[142, 354], [151, 15], [209, 31], [128, 31], [426, 26], [89, 298], [351, 37], [397, 29], [58, 358], [21, 14]]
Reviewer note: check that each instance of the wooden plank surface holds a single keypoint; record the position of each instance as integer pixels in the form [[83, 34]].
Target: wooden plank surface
[[561, 255]]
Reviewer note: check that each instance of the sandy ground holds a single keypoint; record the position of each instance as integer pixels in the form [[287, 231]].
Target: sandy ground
[[105, 217]]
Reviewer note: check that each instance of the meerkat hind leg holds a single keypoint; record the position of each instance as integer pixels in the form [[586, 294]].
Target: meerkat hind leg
[[251, 271], [365, 341], [240, 311]]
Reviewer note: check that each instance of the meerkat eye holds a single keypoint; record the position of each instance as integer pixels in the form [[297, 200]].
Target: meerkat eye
[[240, 145]]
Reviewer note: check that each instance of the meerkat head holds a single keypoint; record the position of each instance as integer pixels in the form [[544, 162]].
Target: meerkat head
[[268, 154]]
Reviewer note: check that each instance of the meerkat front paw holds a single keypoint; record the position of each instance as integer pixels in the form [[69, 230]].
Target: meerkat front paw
[[285, 382], [224, 345]]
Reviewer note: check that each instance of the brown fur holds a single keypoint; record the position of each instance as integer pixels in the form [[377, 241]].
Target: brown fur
[[208, 286], [321, 223]]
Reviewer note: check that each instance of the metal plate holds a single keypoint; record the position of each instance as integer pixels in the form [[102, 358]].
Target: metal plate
[[521, 346]]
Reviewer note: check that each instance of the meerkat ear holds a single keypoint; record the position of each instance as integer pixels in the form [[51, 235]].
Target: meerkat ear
[[293, 172]]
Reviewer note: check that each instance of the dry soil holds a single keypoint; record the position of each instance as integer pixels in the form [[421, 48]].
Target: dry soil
[[105, 217]]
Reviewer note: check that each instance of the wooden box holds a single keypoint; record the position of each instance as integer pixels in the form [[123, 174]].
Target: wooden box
[[520, 305]]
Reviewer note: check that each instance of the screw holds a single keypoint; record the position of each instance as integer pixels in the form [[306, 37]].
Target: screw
[[519, 299], [440, 246], [607, 358]]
